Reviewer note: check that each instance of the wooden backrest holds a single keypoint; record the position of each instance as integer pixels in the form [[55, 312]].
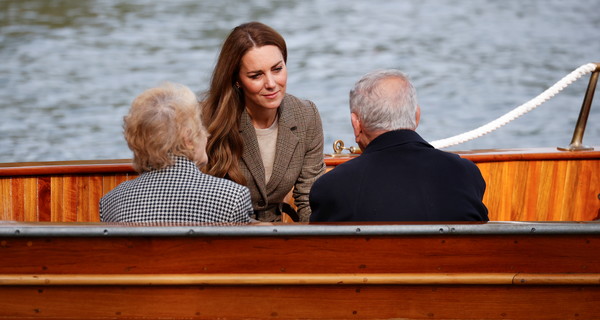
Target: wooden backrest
[[404, 271], [522, 185], [66, 191], [538, 188]]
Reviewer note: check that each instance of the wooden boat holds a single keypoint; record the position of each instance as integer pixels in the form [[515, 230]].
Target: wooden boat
[[497, 270], [537, 258], [522, 185]]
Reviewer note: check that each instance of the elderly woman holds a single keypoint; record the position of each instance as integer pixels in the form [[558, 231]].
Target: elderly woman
[[261, 136], [165, 132]]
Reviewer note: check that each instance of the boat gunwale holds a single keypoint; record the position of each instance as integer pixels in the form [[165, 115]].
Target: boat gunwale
[[125, 166], [101, 229]]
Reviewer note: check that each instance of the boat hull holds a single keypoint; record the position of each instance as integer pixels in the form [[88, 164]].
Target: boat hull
[[408, 271]]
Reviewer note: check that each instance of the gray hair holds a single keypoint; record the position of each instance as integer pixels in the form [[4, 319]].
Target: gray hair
[[158, 122], [384, 112]]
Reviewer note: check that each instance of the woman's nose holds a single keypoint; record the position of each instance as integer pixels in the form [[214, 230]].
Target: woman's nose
[[269, 81]]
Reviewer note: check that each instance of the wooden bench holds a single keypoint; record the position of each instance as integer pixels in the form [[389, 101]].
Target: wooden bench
[[410, 271]]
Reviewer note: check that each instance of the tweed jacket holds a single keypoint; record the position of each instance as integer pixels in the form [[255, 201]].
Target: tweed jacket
[[400, 177], [298, 157], [178, 193]]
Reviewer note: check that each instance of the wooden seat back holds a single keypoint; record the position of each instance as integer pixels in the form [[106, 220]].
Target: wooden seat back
[[522, 185]]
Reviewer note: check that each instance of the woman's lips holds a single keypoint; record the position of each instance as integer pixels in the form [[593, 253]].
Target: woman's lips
[[271, 95]]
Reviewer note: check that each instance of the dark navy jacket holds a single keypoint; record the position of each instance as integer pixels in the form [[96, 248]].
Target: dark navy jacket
[[400, 177]]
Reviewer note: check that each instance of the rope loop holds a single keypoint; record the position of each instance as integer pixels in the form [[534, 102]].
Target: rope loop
[[518, 111]]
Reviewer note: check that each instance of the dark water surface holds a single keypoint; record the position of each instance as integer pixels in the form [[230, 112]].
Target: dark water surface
[[69, 69]]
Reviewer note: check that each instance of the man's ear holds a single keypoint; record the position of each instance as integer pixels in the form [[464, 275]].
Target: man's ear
[[356, 125], [418, 115]]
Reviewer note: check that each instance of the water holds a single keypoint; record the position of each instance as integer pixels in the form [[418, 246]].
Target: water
[[70, 68]]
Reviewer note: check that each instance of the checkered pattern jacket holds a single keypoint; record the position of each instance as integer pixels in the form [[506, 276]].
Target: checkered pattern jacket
[[178, 193]]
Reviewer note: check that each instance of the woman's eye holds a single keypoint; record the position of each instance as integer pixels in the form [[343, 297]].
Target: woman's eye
[[254, 76], [278, 69]]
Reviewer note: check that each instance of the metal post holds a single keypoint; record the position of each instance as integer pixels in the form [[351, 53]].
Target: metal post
[[577, 140]]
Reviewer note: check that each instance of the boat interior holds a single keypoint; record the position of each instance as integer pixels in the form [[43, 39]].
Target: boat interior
[[537, 257]]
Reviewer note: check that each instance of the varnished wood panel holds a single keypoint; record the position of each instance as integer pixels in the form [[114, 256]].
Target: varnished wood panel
[[301, 302], [69, 198], [94, 193], [381, 254], [560, 190], [437, 253], [83, 198], [30, 199], [18, 203], [44, 199], [6, 200], [56, 195], [522, 185], [60, 198]]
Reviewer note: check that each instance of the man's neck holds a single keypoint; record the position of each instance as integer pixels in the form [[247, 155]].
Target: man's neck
[[368, 136]]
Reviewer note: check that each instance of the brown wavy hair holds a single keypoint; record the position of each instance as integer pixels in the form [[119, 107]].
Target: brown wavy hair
[[163, 122], [224, 102]]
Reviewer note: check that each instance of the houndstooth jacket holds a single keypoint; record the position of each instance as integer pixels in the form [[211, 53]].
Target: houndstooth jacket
[[178, 193], [298, 157]]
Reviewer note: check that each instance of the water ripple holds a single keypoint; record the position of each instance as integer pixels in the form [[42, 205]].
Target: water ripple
[[70, 68]]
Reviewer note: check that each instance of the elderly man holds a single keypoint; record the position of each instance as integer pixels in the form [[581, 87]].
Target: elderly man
[[399, 176]]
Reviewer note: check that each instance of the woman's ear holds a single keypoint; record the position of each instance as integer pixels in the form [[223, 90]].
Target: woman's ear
[[187, 139]]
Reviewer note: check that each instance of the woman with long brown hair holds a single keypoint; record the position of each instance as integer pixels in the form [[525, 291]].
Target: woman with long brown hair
[[260, 136]]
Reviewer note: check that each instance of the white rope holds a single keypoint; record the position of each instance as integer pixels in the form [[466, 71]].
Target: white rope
[[518, 111]]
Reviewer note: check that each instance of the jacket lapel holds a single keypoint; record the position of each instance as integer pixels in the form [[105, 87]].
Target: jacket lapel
[[287, 142], [251, 155]]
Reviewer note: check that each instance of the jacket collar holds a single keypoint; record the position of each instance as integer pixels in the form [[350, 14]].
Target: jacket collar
[[396, 138], [180, 163]]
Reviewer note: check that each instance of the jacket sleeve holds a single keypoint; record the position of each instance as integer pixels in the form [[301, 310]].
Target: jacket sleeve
[[313, 165], [243, 207]]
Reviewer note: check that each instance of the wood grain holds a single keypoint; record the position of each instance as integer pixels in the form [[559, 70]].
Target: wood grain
[[307, 302], [6, 199], [56, 195], [522, 185], [498, 264], [560, 190], [299, 279], [44, 202], [534, 253]]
